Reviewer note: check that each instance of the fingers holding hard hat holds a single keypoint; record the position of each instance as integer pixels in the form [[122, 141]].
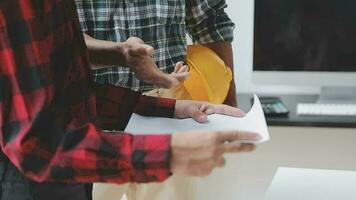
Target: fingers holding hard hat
[[178, 66], [139, 56], [180, 71], [181, 76]]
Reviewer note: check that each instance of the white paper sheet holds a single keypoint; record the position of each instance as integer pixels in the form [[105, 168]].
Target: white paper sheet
[[312, 184], [254, 121]]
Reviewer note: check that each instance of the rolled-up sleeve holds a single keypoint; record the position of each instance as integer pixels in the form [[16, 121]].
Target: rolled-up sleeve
[[208, 22]]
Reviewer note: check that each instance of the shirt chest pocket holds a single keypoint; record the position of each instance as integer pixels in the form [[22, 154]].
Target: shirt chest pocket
[[167, 11]]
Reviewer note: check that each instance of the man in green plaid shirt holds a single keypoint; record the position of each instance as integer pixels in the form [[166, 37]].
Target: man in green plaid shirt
[[162, 25]]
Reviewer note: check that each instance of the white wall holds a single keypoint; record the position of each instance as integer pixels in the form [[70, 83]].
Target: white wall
[[242, 12]]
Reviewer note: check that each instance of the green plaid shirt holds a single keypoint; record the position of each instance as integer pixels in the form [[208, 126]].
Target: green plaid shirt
[[162, 24]]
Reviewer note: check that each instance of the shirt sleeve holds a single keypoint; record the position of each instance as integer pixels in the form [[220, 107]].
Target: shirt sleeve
[[47, 148], [207, 21], [115, 106], [84, 10], [48, 110]]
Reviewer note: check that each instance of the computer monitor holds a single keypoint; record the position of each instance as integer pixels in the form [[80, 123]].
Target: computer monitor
[[305, 43]]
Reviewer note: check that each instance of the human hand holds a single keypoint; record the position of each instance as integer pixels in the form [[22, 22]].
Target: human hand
[[138, 56], [198, 153], [200, 110], [181, 71]]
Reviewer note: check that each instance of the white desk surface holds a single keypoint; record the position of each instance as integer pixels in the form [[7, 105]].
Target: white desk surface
[[248, 176], [312, 184]]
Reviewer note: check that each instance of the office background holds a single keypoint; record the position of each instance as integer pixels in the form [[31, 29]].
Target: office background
[[242, 13], [247, 177]]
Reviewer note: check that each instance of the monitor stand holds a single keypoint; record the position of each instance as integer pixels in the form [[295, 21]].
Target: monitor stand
[[337, 95]]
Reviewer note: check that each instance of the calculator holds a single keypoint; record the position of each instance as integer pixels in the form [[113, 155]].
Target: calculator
[[273, 107]]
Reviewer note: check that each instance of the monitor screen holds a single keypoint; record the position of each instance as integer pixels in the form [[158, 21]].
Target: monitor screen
[[305, 35]]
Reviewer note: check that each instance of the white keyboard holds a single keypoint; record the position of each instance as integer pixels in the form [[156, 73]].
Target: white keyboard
[[327, 109]]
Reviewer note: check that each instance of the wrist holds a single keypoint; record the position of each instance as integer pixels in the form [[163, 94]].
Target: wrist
[[123, 49], [105, 53], [114, 53], [178, 113]]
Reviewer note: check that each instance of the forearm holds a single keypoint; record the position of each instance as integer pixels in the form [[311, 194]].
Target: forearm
[[59, 147], [225, 52], [104, 53], [209, 24], [86, 155]]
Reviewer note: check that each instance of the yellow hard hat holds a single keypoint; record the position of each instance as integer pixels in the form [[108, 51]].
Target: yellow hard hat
[[209, 76]]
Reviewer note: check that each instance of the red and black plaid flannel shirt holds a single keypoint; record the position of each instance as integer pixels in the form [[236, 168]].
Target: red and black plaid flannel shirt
[[49, 117]]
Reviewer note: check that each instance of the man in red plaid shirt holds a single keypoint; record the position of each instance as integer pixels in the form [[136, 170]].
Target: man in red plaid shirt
[[51, 115]]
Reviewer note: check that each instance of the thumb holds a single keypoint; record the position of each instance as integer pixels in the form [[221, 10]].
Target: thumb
[[181, 76], [142, 50], [197, 114], [149, 50]]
